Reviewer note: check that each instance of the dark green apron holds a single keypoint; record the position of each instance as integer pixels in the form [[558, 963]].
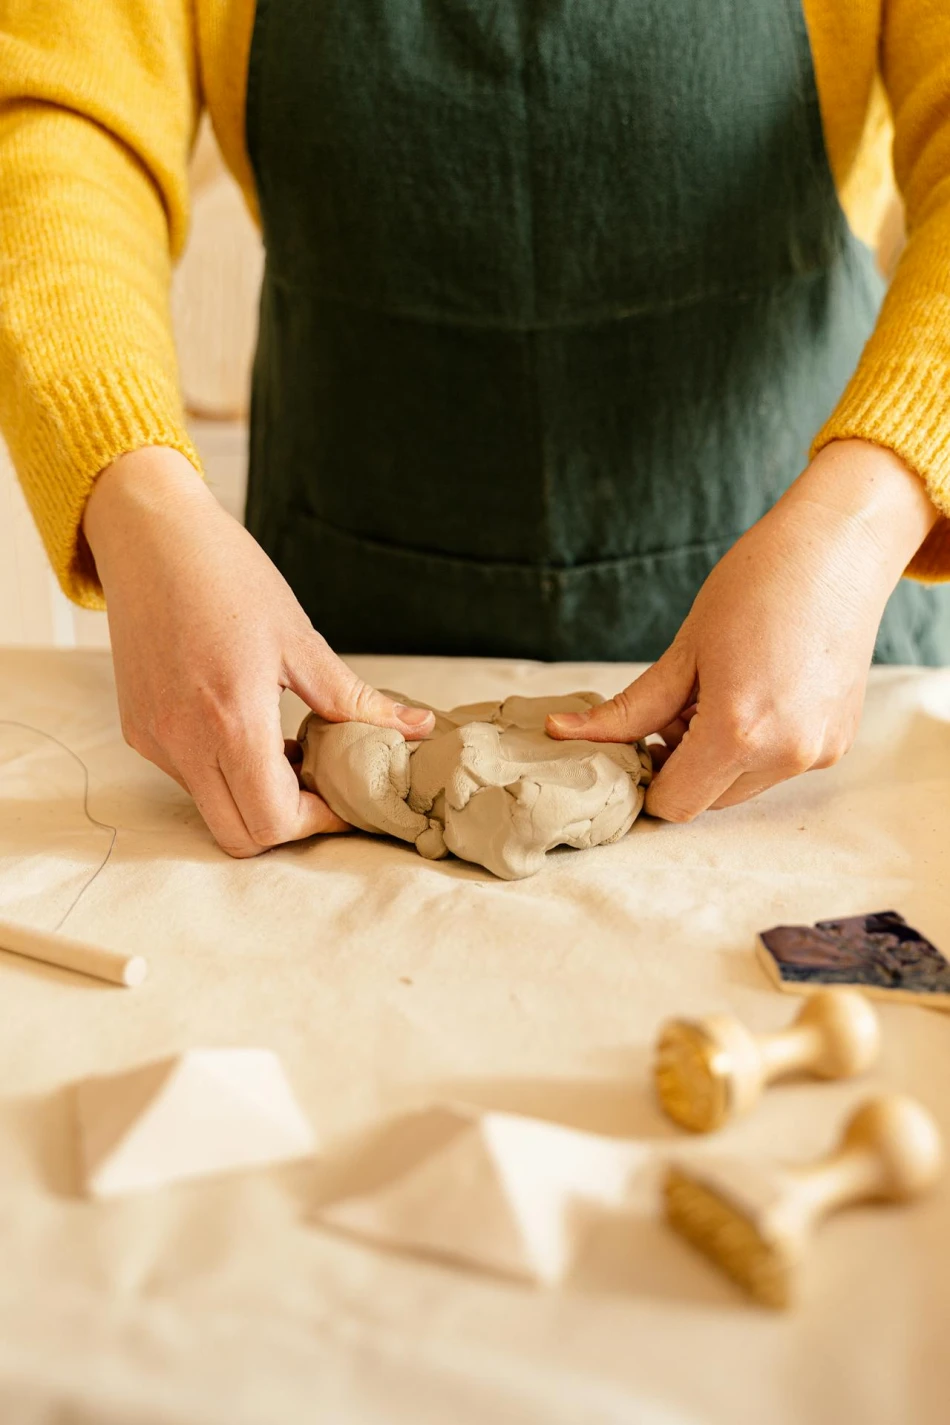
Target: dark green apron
[[557, 293]]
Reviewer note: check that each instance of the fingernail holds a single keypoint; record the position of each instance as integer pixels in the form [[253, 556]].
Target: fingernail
[[412, 717], [567, 722]]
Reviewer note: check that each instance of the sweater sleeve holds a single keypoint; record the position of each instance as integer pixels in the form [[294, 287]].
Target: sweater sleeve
[[98, 107], [899, 396]]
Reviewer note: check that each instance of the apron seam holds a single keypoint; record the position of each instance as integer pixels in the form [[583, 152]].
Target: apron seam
[[815, 141], [532, 568], [531, 347], [428, 316], [254, 101]]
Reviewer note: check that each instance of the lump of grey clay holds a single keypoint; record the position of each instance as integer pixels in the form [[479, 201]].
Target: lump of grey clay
[[488, 784]]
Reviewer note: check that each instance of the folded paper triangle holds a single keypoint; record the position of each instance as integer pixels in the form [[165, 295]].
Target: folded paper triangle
[[505, 1193], [204, 1112]]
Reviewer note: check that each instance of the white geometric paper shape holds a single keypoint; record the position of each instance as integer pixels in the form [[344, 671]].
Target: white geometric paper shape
[[498, 1191], [204, 1112]]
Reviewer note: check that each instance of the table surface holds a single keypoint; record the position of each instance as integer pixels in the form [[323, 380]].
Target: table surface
[[385, 981]]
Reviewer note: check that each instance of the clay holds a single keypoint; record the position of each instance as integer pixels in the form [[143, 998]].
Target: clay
[[488, 784]]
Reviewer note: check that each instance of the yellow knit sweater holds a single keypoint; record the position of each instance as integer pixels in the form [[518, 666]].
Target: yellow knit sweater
[[99, 103]]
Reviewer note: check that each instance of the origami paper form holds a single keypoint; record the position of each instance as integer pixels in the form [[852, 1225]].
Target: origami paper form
[[205, 1112], [504, 1193]]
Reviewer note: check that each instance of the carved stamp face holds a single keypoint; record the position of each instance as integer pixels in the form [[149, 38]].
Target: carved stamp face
[[879, 952], [692, 1085]]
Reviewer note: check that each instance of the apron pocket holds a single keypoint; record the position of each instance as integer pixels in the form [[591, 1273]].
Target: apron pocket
[[367, 596]]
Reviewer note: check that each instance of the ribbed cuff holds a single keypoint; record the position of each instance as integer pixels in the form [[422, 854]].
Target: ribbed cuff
[[82, 424], [899, 398]]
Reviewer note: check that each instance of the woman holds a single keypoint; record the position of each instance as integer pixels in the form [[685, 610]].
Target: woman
[[559, 294]]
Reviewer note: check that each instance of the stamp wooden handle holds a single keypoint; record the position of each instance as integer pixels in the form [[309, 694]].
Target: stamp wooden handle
[[835, 1035], [890, 1151], [711, 1070], [53, 949]]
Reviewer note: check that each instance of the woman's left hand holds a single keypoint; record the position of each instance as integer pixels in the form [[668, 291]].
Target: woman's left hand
[[766, 678]]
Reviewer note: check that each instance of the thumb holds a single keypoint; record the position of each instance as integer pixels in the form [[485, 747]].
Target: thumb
[[332, 689], [651, 702]]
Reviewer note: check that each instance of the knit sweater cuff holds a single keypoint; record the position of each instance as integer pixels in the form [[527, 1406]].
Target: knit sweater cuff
[[900, 398], [82, 424]]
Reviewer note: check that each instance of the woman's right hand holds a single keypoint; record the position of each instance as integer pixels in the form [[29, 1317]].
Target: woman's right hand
[[206, 634]]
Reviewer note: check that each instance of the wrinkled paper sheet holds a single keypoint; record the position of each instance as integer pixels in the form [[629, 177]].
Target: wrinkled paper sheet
[[385, 981]]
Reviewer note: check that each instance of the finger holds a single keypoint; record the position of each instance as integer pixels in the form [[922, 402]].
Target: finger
[[750, 785], [332, 689], [170, 771], [148, 748], [650, 702], [672, 736], [696, 774], [660, 754], [273, 806], [214, 801]]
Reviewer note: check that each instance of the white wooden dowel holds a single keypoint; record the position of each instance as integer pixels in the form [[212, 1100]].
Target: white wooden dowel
[[54, 949]]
